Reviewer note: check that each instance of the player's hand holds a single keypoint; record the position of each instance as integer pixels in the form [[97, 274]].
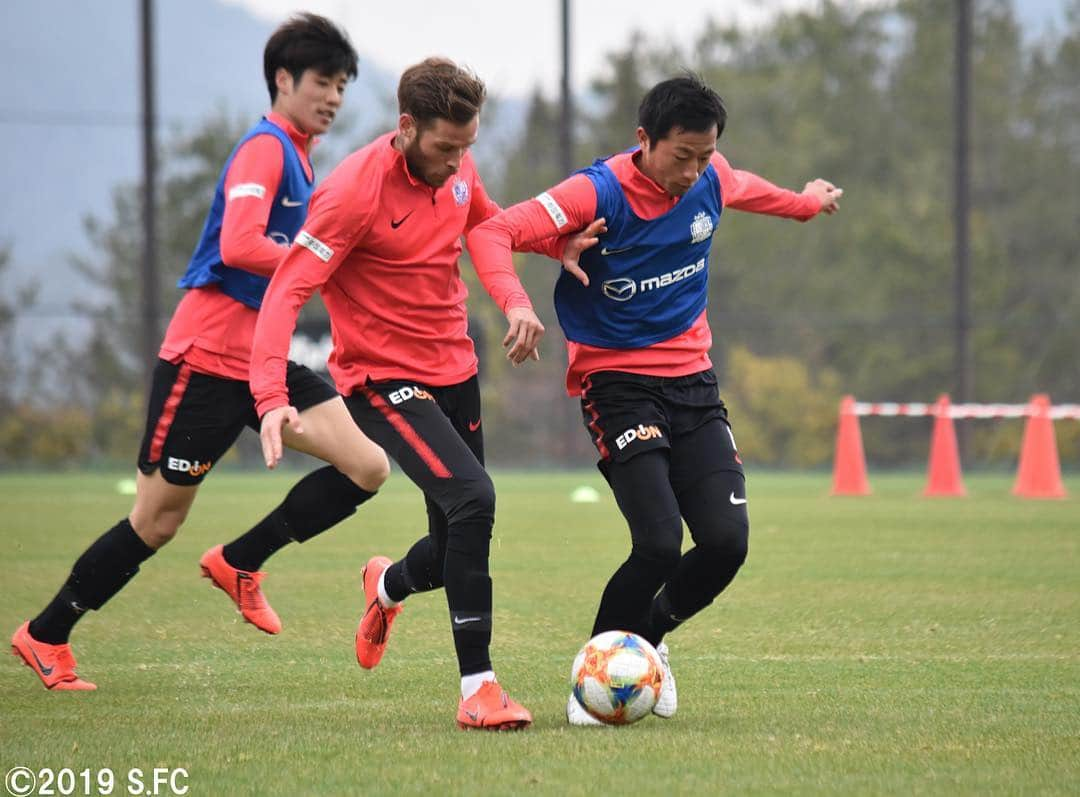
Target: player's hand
[[523, 335], [578, 243], [828, 193], [270, 432]]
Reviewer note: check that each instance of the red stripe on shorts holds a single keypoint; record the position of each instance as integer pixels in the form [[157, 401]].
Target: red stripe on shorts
[[594, 424], [168, 412], [409, 434]]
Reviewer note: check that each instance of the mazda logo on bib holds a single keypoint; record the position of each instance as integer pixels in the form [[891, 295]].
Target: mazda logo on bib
[[621, 290]]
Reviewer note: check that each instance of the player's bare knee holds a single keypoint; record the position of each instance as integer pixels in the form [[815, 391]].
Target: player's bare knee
[[158, 529], [367, 472], [376, 473]]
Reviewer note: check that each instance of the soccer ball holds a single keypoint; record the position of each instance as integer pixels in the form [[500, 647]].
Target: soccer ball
[[616, 677]]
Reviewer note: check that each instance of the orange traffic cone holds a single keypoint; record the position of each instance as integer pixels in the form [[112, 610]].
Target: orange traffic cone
[[1039, 474], [849, 463], [943, 471]]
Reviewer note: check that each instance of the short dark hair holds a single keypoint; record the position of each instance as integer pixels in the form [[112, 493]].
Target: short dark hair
[[684, 102], [308, 41], [437, 88]]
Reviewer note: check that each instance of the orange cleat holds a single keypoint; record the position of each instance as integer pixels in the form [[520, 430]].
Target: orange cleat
[[54, 664], [243, 588], [374, 629], [491, 709]]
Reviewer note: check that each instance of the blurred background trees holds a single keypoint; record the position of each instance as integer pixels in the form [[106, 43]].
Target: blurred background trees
[[862, 303], [801, 313]]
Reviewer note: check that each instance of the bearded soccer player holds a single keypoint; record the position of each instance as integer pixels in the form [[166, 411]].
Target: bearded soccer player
[[634, 316], [382, 241], [200, 400]]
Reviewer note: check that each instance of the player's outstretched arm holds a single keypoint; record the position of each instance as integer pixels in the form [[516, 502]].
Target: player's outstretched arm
[[746, 191], [270, 432]]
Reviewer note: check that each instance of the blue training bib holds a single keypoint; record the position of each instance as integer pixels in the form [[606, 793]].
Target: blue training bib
[[648, 280], [287, 216]]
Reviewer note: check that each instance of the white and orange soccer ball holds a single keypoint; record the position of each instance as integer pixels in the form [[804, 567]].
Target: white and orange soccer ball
[[617, 677]]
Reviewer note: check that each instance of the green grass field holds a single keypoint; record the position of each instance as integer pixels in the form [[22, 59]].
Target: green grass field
[[881, 645]]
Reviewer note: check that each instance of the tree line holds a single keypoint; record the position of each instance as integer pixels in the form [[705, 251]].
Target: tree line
[[801, 314]]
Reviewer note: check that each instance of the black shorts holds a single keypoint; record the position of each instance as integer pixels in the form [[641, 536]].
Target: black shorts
[[627, 414], [194, 418]]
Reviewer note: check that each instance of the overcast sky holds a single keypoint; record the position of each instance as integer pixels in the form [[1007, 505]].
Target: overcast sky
[[514, 45]]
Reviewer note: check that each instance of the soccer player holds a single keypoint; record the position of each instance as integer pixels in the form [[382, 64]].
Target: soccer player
[[382, 241], [633, 311], [200, 400]]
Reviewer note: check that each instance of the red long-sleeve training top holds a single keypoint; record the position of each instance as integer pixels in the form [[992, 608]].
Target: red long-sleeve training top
[[383, 246]]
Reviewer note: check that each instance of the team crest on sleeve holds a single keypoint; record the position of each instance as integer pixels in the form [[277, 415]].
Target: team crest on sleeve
[[461, 192], [701, 228]]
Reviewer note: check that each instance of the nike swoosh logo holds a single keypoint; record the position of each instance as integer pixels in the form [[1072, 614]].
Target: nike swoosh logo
[[290, 203], [473, 426], [464, 620], [399, 222], [473, 715], [605, 251], [736, 501], [41, 665]]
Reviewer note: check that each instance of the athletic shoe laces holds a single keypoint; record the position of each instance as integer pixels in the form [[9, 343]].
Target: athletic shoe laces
[[376, 629], [64, 659], [251, 597]]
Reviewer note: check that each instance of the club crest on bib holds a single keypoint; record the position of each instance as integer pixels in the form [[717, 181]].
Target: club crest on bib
[[461, 194], [701, 228]]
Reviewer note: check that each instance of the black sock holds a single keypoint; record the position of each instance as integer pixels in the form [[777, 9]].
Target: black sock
[[398, 582], [101, 572], [263, 540], [53, 626], [625, 602], [420, 570], [319, 501], [702, 574], [663, 618], [468, 594]]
